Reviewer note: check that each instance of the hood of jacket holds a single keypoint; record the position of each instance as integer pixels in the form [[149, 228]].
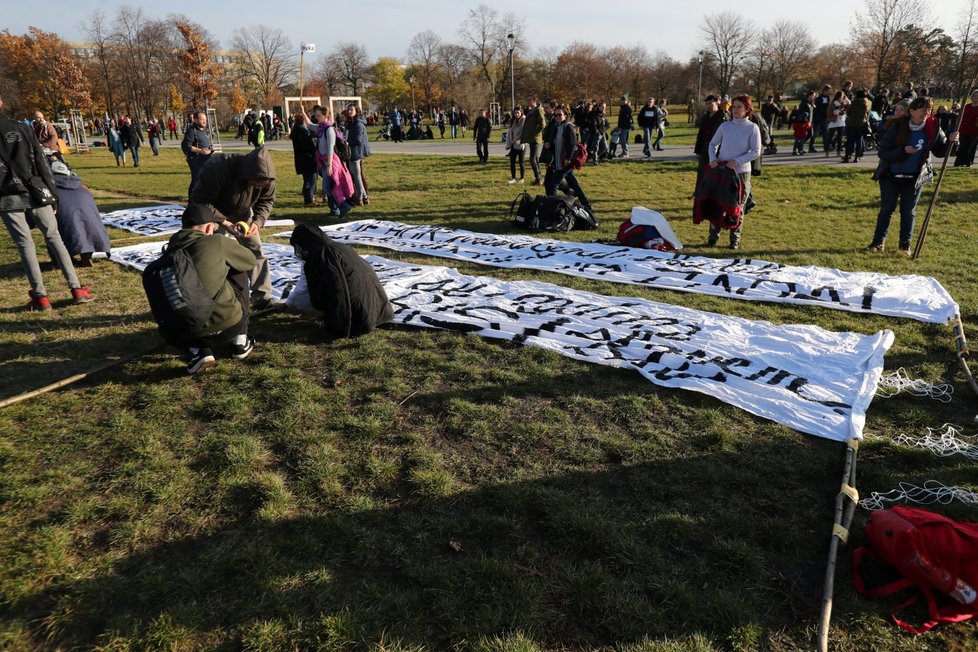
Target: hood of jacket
[[308, 241], [67, 181], [256, 164]]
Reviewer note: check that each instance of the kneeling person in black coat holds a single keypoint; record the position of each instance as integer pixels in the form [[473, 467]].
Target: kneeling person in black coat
[[341, 284]]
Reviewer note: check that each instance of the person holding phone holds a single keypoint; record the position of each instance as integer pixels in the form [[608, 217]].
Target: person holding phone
[[904, 168]]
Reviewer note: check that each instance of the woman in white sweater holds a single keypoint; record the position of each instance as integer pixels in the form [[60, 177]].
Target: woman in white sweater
[[515, 145], [735, 144]]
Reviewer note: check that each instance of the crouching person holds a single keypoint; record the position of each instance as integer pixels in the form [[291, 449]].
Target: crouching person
[[198, 290], [342, 285]]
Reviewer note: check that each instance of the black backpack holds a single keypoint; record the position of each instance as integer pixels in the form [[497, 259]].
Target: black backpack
[[545, 213], [180, 305]]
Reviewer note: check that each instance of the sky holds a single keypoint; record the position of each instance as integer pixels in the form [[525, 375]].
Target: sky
[[386, 27]]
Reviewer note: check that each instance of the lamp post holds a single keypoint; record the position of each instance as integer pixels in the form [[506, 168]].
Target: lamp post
[[699, 84], [411, 81], [511, 40]]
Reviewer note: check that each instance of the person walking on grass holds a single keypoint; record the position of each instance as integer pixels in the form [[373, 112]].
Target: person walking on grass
[[22, 162], [131, 138], [517, 150], [532, 136], [115, 144], [904, 168], [197, 148], [481, 131]]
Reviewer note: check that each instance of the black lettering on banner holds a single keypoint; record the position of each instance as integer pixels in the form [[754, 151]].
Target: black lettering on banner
[[832, 292], [868, 293]]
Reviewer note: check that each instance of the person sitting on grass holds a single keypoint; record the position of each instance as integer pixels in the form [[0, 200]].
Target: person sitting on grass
[[222, 267], [79, 220]]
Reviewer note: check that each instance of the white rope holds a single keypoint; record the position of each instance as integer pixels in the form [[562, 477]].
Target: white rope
[[898, 382], [930, 493], [945, 442]]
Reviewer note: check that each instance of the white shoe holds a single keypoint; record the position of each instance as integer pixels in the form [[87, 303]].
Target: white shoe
[[511, 181], [521, 180]]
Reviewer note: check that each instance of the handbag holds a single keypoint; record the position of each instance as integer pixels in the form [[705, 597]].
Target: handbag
[[41, 195]]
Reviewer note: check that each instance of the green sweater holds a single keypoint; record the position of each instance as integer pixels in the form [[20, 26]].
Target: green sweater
[[216, 256]]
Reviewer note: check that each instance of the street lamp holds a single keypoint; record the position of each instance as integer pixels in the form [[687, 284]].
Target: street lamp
[[511, 40], [699, 84], [411, 81]]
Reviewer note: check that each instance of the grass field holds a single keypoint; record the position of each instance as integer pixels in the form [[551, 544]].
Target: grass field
[[430, 490]]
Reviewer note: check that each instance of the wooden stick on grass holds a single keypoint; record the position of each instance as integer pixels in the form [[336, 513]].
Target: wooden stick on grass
[[840, 532]]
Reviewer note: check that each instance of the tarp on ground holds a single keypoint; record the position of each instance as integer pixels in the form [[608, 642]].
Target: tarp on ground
[[157, 220], [910, 296], [802, 376]]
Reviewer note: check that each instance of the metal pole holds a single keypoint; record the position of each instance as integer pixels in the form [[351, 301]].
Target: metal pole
[[512, 81]]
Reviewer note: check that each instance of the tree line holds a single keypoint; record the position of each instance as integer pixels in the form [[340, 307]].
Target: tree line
[[142, 65]]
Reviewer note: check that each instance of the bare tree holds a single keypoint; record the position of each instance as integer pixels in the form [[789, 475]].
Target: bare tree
[[877, 34], [422, 56], [146, 50], [352, 63], [483, 35], [966, 44], [790, 46], [452, 58], [97, 32], [268, 58], [728, 37]]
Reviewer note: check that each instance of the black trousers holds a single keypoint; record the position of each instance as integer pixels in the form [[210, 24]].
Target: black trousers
[[482, 149]]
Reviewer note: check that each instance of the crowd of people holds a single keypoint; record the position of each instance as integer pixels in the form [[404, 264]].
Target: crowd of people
[[233, 194]]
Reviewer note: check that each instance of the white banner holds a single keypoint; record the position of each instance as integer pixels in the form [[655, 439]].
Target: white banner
[[157, 220], [807, 378], [307, 47], [914, 297]]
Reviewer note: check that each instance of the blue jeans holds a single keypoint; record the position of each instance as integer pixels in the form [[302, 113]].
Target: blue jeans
[[328, 184], [155, 145], [894, 192], [554, 177], [308, 186], [623, 141], [135, 154], [454, 131], [647, 139], [660, 132]]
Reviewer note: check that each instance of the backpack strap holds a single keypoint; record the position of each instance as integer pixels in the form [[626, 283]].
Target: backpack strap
[[880, 591]]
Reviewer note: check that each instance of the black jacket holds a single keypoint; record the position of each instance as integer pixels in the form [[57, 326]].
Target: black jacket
[[341, 284], [21, 151], [625, 117]]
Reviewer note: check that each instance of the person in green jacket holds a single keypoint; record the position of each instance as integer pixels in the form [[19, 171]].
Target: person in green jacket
[[223, 266]]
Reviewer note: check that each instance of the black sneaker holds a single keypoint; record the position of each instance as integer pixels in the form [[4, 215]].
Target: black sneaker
[[242, 351], [202, 359]]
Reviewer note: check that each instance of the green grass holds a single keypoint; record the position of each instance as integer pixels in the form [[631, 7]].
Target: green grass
[[428, 490]]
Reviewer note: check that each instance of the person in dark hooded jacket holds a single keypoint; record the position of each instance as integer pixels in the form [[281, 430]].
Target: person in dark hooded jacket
[[241, 188], [79, 220], [341, 284]]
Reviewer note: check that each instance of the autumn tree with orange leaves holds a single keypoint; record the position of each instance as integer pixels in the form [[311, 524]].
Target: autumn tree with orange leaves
[[198, 65], [39, 72]]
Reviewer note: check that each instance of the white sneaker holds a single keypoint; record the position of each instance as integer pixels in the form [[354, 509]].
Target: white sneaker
[[521, 180], [511, 181]]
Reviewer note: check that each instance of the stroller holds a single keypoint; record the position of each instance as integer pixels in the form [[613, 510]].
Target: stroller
[[873, 126], [384, 133]]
